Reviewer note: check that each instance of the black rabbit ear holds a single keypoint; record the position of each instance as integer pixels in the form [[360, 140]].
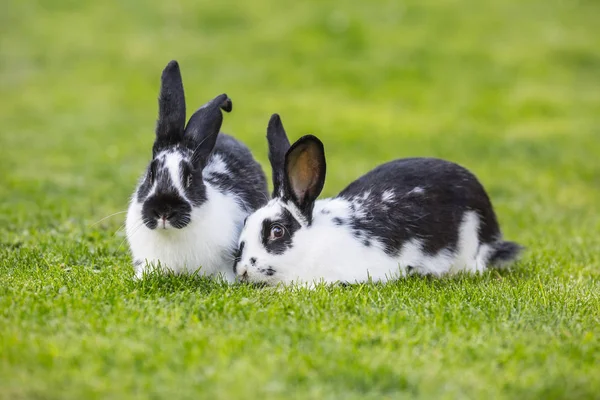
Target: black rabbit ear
[[304, 174], [204, 126], [171, 108], [278, 147]]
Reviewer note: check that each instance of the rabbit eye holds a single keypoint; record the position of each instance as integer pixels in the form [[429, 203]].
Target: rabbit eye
[[277, 232]]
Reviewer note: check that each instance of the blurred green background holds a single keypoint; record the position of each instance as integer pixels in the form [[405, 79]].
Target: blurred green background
[[510, 89]]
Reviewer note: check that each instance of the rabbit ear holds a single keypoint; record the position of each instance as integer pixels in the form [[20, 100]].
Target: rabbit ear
[[304, 173], [278, 147], [171, 108], [204, 126]]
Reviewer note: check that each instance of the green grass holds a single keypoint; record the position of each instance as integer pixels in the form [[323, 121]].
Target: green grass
[[509, 89]]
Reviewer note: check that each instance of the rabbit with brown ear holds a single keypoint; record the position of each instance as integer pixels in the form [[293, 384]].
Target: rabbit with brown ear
[[409, 216], [189, 206]]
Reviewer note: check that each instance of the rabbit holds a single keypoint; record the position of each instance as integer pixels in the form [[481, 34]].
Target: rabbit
[[189, 206], [422, 216]]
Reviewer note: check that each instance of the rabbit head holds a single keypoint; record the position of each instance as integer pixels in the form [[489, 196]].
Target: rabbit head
[[272, 236], [173, 183]]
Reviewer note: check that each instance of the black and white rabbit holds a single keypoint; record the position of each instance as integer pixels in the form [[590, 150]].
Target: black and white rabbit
[[188, 208], [409, 216]]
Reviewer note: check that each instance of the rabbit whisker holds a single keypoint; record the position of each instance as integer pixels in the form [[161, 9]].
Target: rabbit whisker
[[108, 216], [134, 231], [120, 228]]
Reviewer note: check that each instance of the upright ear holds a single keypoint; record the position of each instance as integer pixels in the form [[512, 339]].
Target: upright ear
[[304, 173], [171, 108], [278, 147], [203, 128]]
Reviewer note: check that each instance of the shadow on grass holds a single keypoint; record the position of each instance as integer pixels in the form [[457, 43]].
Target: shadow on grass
[[516, 271], [164, 283], [160, 283]]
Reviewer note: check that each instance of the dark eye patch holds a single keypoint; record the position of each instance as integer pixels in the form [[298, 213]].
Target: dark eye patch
[[186, 172], [290, 226], [196, 191], [152, 171], [269, 271], [238, 256], [146, 185]]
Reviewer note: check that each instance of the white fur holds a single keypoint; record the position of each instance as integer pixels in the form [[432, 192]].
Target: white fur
[[172, 163], [326, 252], [416, 190], [387, 196], [206, 243], [468, 244], [216, 166]]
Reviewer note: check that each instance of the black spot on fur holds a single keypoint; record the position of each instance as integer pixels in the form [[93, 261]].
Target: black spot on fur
[[338, 221], [143, 189], [289, 224], [434, 217], [149, 179], [267, 271], [366, 243], [192, 183], [238, 256], [137, 263]]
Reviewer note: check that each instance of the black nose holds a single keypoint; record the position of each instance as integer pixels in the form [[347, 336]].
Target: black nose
[[253, 261], [168, 207], [156, 212], [163, 212]]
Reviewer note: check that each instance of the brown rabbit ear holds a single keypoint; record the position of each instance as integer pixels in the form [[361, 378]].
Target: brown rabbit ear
[[171, 108], [304, 175], [278, 147], [203, 128]]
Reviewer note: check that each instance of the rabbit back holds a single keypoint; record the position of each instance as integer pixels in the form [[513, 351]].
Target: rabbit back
[[426, 205], [232, 169]]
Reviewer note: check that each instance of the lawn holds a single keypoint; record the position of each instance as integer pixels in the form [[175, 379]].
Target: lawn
[[510, 89]]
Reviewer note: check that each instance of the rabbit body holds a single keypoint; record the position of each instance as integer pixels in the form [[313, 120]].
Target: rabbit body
[[409, 216], [188, 209], [234, 186]]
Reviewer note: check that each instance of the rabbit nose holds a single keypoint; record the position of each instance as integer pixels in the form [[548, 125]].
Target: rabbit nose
[[242, 273], [163, 213], [243, 277]]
